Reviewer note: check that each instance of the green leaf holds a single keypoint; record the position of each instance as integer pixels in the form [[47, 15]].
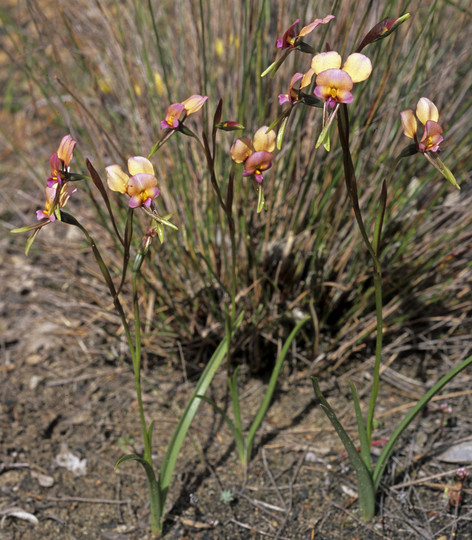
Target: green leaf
[[281, 132], [364, 442], [270, 388], [389, 447], [233, 389], [175, 444], [365, 485], [156, 498], [260, 199], [323, 139], [237, 433]]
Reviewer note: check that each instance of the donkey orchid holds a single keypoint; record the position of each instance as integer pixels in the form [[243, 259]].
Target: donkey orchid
[[291, 39], [428, 145], [52, 202], [140, 185], [60, 160], [177, 112], [334, 84], [256, 156], [427, 113]]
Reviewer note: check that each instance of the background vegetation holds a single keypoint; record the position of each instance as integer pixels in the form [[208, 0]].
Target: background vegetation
[[106, 72]]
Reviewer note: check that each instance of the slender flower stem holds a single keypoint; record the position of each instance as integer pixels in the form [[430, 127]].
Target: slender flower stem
[[351, 183]]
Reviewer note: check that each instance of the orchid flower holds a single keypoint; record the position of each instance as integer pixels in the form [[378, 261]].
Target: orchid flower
[[293, 96], [256, 156], [334, 84], [140, 185], [60, 160], [53, 202], [177, 112], [427, 113], [291, 39]]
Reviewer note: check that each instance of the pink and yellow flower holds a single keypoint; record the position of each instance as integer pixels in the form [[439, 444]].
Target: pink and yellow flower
[[140, 185], [60, 160], [256, 156], [333, 83], [51, 205], [291, 38], [427, 113], [177, 112], [293, 95]]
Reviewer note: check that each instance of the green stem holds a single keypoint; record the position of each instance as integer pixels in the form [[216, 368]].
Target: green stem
[[135, 351], [137, 368], [351, 184]]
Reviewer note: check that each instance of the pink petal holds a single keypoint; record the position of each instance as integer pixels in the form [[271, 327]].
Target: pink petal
[[287, 40], [259, 161], [310, 27]]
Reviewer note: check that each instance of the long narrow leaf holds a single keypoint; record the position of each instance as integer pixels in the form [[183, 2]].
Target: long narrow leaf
[[365, 485], [365, 446], [233, 390], [389, 447], [270, 388], [237, 434], [175, 444]]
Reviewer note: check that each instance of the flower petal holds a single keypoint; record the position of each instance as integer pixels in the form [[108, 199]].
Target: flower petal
[[296, 77], [241, 149], [139, 164], [259, 161], [410, 126], [426, 110], [194, 103], [358, 66], [66, 149], [117, 179], [326, 60], [431, 137], [173, 114], [310, 27], [337, 79], [140, 183], [288, 38], [263, 140], [306, 79]]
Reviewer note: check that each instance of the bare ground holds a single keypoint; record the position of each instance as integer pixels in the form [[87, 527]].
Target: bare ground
[[63, 390]]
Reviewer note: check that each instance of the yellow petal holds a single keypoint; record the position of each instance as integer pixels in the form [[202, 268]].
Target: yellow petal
[[306, 79], [194, 103], [264, 141], [358, 66], [139, 164], [409, 124], [241, 149], [117, 179], [326, 60], [426, 110]]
